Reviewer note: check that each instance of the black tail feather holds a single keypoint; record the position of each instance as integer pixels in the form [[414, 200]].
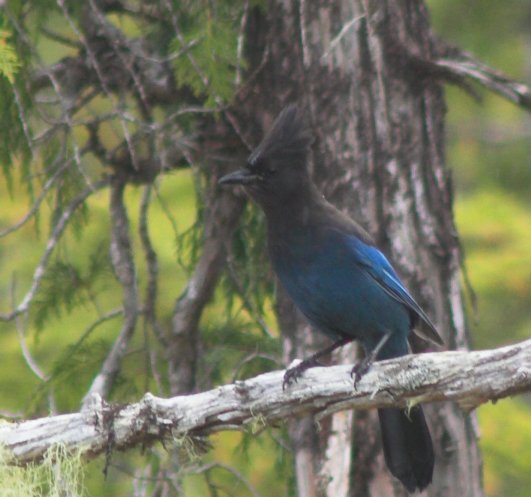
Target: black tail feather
[[407, 445]]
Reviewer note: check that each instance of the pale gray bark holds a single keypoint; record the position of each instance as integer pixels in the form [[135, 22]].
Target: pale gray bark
[[465, 378], [125, 272]]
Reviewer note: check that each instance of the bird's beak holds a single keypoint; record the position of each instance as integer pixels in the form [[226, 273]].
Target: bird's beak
[[239, 177]]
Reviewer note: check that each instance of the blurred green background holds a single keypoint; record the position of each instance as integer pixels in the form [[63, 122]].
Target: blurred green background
[[489, 153]]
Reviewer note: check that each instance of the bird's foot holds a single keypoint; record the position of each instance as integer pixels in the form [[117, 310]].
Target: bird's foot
[[361, 369], [294, 373]]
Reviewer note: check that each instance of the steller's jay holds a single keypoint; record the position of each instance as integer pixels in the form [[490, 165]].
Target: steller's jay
[[341, 282]]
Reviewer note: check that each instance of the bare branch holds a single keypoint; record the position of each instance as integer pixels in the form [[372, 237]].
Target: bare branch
[[26, 353], [490, 78], [54, 238], [239, 45], [84, 336], [63, 99], [459, 67], [124, 269], [34, 208], [152, 263], [59, 38], [469, 378], [117, 41], [23, 119], [239, 476], [32, 364], [344, 30]]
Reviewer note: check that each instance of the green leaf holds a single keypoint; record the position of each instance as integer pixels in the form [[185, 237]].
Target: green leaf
[[209, 45], [9, 62]]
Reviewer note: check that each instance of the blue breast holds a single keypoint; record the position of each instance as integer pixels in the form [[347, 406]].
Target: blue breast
[[327, 279]]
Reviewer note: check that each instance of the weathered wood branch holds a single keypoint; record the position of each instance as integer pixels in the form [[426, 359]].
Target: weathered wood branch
[[469, 378], [490, 78], [459, 66]]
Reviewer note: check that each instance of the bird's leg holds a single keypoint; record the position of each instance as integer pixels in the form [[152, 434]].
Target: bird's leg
[[362, 367], [294, 373]]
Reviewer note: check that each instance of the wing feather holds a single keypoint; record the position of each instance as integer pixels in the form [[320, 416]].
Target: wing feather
[[380, 270]]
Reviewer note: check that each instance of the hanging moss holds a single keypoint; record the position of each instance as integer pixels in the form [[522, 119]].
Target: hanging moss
[[59, 474]]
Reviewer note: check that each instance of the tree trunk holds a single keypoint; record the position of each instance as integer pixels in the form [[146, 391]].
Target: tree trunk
[[379, 155]]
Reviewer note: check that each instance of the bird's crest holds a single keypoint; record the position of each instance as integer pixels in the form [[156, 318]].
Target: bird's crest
[[287, 141]]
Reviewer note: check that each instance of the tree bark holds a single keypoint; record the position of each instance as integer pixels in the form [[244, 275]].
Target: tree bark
[[379, 155], [469, 378]]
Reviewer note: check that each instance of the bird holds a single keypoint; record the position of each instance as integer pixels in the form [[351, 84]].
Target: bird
[[343, 284]]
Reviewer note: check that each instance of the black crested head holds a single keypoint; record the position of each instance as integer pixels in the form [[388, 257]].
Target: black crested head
[[276, 170], [286, 143]]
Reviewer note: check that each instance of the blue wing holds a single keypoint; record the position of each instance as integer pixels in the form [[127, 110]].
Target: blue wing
[[380, 270]]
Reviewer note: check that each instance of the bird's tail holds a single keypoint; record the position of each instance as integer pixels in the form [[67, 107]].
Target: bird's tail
[[407, 446]]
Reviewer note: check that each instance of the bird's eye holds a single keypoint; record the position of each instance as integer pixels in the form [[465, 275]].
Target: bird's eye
[[266, 173]]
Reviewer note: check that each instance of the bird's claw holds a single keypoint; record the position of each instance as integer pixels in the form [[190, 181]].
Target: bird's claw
[[290, 376], [294, 373], [360, 370]]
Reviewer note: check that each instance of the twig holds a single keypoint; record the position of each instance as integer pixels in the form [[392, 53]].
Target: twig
[[116, 38], [95, 64], [341, 34], [152, 267], [28, 357], [47, 186], [23, 120], [54, 238], [239, 45], [494, 80], [64, 104], [183, 43], [458, 66], [230, 469], [250, 357], [64, 40], [32, 364], [60, 363]]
